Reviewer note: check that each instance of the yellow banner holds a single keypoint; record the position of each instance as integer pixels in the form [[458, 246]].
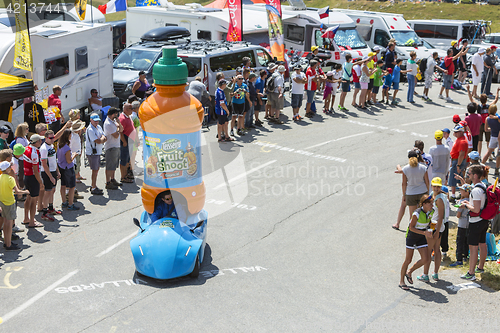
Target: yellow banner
[[22, 57], [81, 8]]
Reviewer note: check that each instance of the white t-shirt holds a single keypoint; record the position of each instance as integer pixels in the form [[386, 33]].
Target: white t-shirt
[[47, 152], [24, 142], [15, 165], [298, 88], [478, 61], [357, 69], [448, 142], [336, 76], [75, 144], [431, 63], [109, 129], [477, 194], [92, 134], [279, 81]]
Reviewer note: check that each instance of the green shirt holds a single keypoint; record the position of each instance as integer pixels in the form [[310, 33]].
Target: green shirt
[[3, 144], [377, 80]]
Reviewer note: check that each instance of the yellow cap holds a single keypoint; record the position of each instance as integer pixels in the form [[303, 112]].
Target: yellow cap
[[453, 42], [438, 135], [371, 54], [314, 48], [436, 181]]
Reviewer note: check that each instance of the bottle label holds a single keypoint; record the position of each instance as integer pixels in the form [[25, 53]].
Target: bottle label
[[172, 160]]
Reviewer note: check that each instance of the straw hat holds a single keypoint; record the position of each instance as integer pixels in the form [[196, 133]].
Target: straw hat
[[77, 125]]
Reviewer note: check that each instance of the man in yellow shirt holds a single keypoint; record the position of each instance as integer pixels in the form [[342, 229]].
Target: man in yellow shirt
[[370, 64]]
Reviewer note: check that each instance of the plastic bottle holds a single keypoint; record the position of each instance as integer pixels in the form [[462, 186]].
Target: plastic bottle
[[171, 119]]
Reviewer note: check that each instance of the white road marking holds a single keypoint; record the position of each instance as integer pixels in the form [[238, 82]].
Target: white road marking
[[426, 121], [345, 137], [463, 286], [112, 247], [244, 174], [35, 298]]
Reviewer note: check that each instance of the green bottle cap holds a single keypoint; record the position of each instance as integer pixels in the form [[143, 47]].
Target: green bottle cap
[[170, 69]]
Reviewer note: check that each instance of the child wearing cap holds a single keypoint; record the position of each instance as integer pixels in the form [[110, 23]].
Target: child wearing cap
[[8, 203], [447, 140], [387, 85], [377, 81], [463, 224]]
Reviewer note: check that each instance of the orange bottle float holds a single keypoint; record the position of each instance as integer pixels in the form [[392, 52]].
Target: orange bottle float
[[171, 119]]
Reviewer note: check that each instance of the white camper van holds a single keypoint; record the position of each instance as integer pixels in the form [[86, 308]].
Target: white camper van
[[76, 56], [302, 26], [378, 28], [441, 32]]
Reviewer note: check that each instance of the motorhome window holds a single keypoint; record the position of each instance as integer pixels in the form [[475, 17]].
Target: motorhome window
[[348, 39], [381, 38], [230, 61], [492, 39], [295, 33], [171, 25], [193, 65], [407, 38], [445, 32], [365, 31], [263, 57], [204, 34], [135, 59], [424, 30], [81, 58], [56, 67]]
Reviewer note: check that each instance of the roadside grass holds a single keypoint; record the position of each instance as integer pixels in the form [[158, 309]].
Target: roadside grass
[[491, 275]]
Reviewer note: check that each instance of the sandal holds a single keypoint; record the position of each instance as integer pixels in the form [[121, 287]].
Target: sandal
[[81, 178], [228, 139], [221, 140], [394, 227], [37, 225], [404, 287], [408, 277], [126, 180]]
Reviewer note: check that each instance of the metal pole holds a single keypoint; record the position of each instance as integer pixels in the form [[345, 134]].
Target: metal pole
[[91, 12]]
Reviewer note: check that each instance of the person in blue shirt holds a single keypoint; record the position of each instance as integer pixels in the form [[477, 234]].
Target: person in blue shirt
[[260, 83], [222, 112], [239, 95], [387, 85], [395, 79], [165, 207]]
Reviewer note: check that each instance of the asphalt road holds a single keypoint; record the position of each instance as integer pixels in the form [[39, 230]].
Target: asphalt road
[[299, 240]]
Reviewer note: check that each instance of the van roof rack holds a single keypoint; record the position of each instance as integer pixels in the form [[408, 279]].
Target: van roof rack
[[205, 46], [165, 34]]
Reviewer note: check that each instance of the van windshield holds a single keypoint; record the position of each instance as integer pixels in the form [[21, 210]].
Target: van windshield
[[135, 59], [347, 38], [406, 38]]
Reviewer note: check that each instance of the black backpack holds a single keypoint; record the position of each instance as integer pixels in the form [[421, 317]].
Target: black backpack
[[270, 83], [422, 66]]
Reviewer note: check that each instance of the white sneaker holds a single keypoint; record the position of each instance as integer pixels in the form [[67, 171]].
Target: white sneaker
[[449, 99], [441, 96], [18, 229]]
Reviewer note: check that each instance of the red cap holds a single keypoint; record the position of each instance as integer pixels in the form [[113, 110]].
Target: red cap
[[456, 119], [493, 47], [389, 70], [463, 123]]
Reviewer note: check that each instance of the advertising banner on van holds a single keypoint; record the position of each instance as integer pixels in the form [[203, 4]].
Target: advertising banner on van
[[22, 54], [81, 8], [235, 31], [276, 38]]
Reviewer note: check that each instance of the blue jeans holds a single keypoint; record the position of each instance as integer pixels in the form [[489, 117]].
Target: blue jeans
[[453, 170], [411, 87], [249, 115], [486, 81]]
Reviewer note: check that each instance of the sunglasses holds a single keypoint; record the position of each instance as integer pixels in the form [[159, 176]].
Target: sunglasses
[[51, 137], [240, 79], [168, 198]]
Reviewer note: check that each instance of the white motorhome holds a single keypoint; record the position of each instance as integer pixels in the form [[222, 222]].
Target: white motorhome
[[302, 26], [441, 32], [378, 28], [74, 55]]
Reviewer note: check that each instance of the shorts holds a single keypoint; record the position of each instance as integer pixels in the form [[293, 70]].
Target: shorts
[[221, 119], [124, 154], [415, 241], [327, 92], [238, 109], [375, 90], [395, 85], [447, 81], [364, 85], [46, 181], [346, 86], [493, 142], [257, 107], [32, 185], [413, 199], [477, 232], [386, 88], [453, 170], [428, 81], [112, 156], [476, 80], [68, 177], [9, 212], [310, 96], [487, 135], [357, 85], [297, 100], [94, 161], [370, 84]]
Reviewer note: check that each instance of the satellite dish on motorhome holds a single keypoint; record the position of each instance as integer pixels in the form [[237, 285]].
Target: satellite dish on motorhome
[[165, 34], [297, 4]]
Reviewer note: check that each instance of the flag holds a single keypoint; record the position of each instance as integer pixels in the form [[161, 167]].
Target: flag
[[113, 6], [140, 3], [235, 31], [81, 8], [276, 38], [22, 53], [324, 12], [330, 32]]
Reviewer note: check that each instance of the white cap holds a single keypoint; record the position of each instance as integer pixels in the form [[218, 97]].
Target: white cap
[[329, 73], [365, 58], [5, 165], [281, 69], [481, 50], [376, 48]]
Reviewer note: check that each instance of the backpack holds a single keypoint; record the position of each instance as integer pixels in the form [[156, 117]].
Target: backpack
[[491, 244], [442, 65], [422, 66], [270, 83], [490, 209], [11, 145]]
